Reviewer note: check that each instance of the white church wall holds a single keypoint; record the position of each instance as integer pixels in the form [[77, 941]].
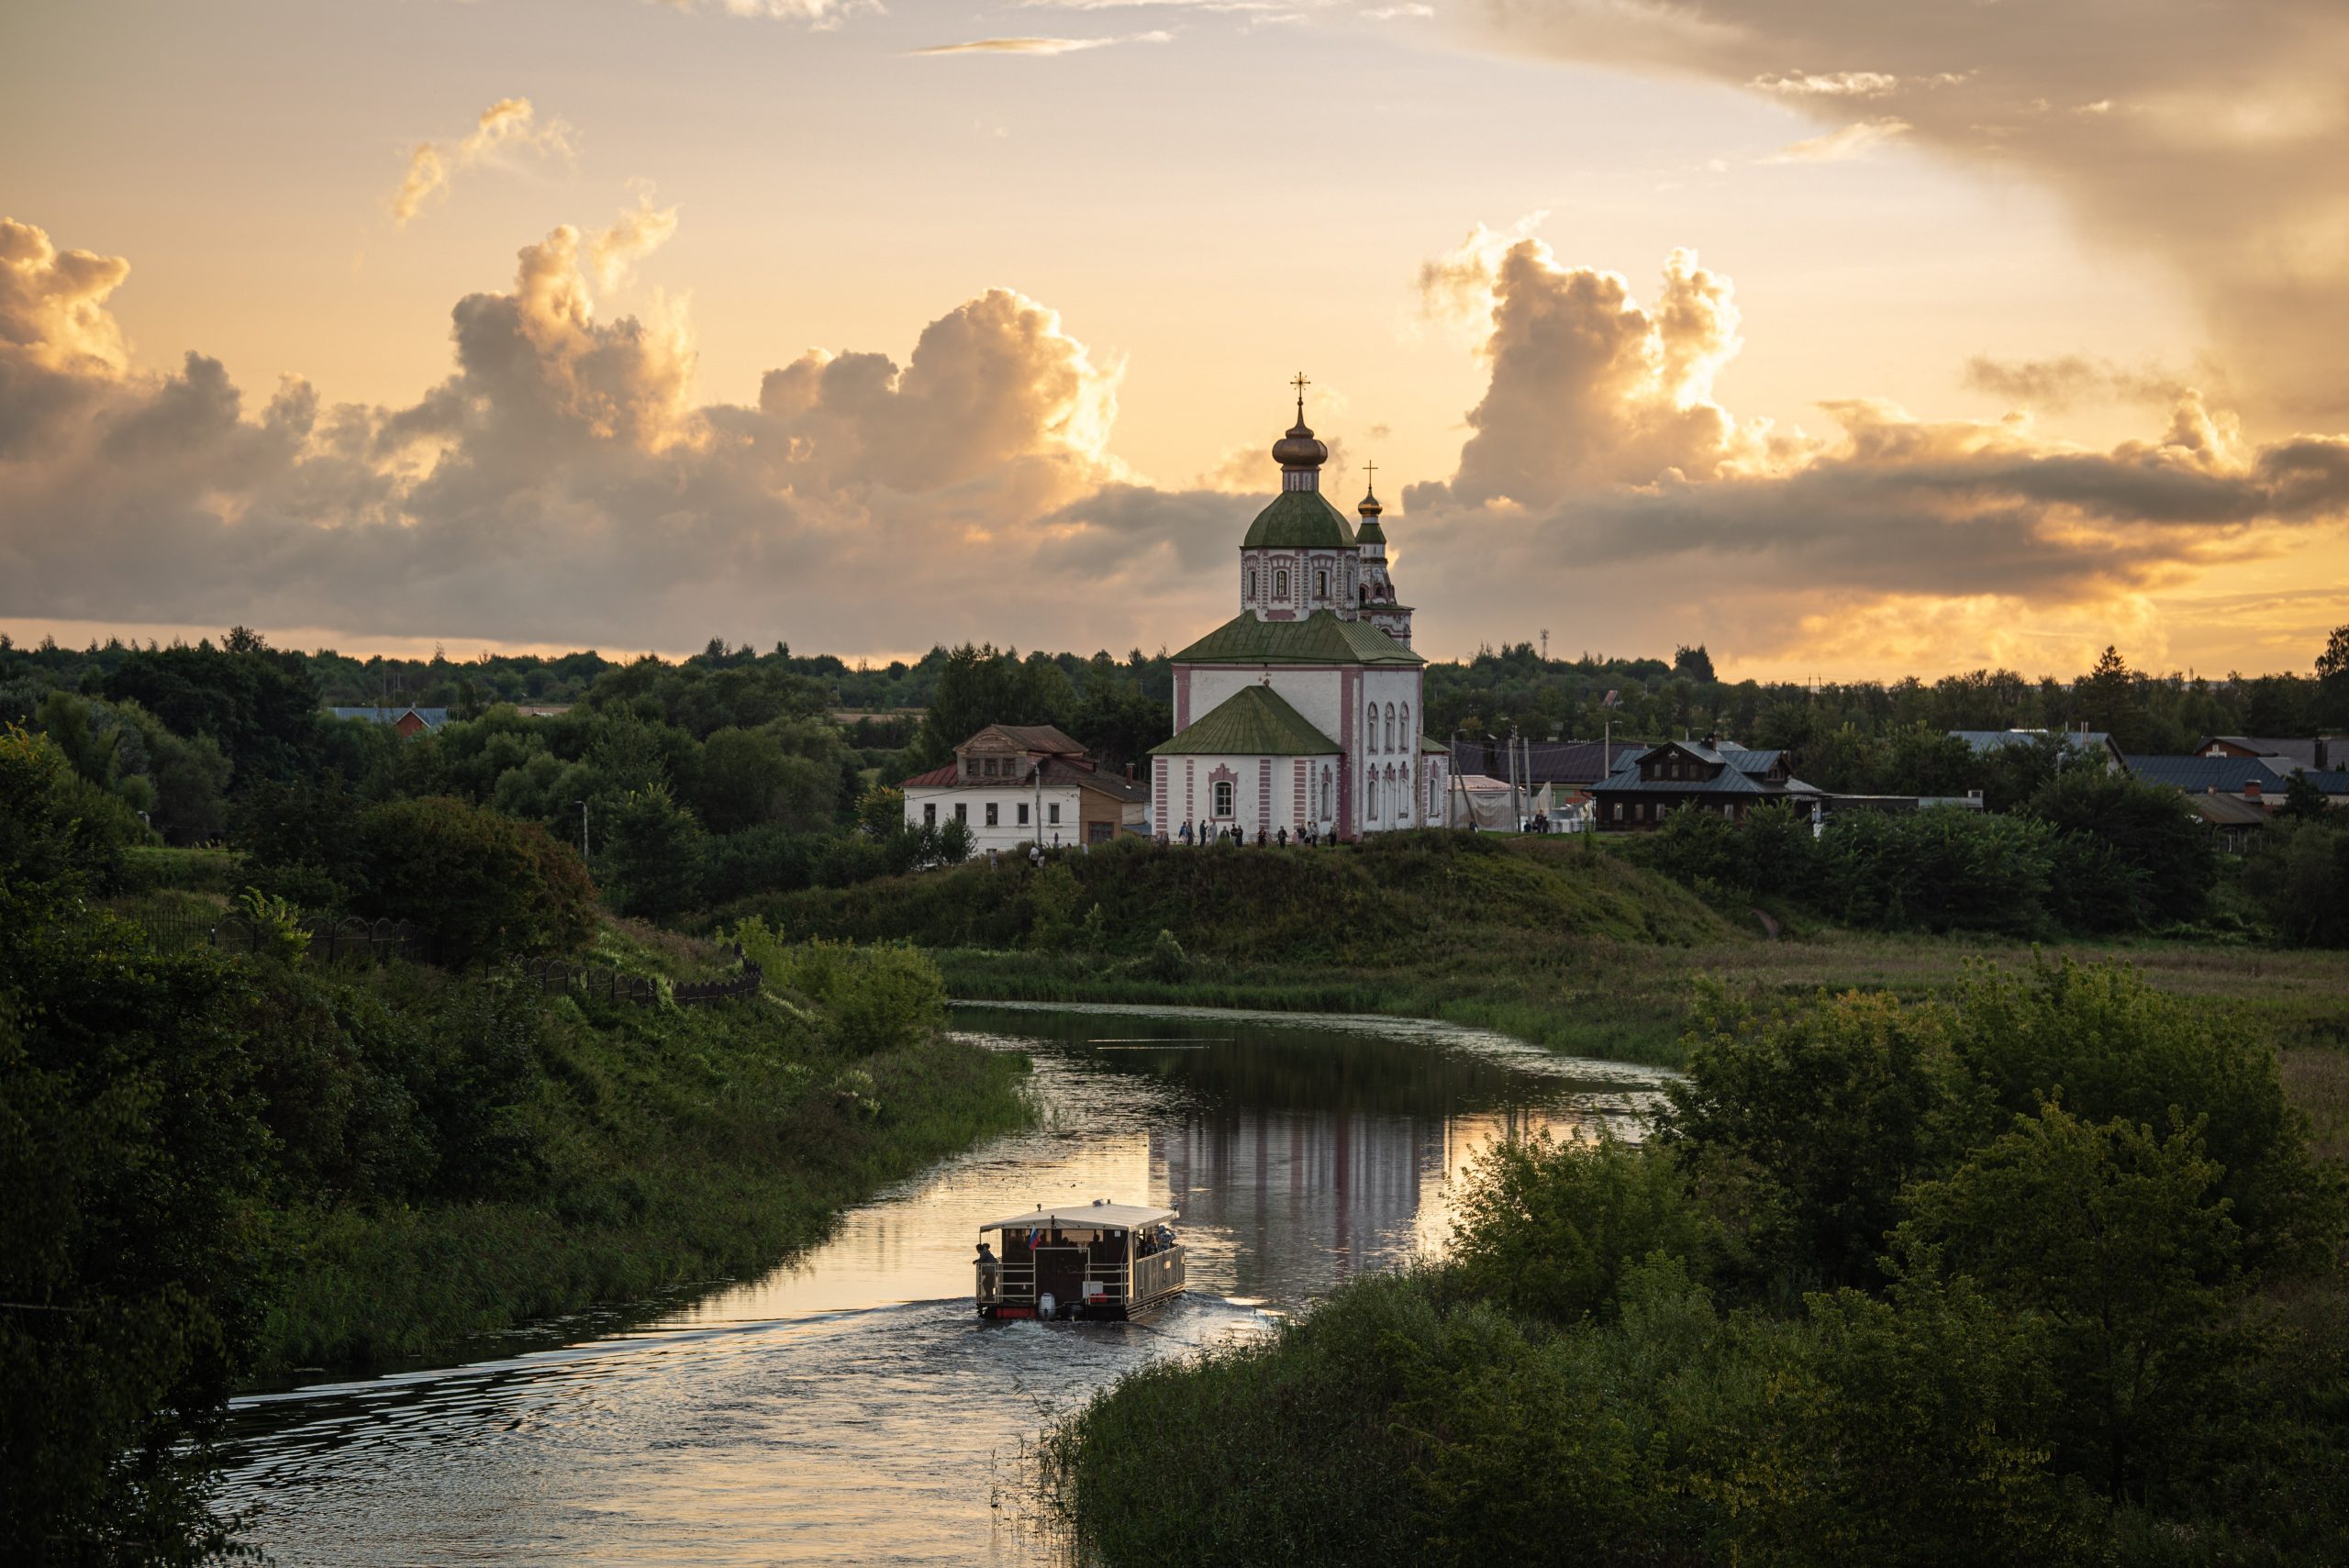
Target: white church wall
[[1315, 691], [1248, 792]]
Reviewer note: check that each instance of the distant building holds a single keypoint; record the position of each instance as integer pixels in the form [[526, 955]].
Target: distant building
[[2094, 742], [1653, 782], [2319, 754], [1017, 784], [406, 720], [1303, 712], [2258, 780]]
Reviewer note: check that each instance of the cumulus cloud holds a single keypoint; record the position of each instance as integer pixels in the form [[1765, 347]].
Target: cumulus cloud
[[509, 124], [818, 14], [1040, 46], [1587, 386], [1827, 85], [564, 484], [2234, 116], [1603, 478]]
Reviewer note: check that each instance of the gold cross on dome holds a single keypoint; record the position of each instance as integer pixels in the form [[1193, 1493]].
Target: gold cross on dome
[[1370, 476], [1300, 384]]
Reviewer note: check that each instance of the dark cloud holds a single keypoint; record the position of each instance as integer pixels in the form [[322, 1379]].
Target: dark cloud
[[2209, 135]]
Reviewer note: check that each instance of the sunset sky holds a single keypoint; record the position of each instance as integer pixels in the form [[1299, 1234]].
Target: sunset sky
[[1848, 338]]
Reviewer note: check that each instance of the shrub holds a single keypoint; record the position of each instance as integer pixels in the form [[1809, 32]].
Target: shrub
[[2298, 876], [2150, 829], [1943, 869], [484, 886], [1548, 1229], [875, 998]]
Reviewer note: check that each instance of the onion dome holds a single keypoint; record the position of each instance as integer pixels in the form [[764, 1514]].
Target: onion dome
[[1370, 507], [1299, 449]]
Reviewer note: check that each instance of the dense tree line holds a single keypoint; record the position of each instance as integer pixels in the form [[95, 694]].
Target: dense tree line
[[2043, 1273]]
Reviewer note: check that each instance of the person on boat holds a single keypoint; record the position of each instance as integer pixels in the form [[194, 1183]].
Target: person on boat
[[986, 1260]]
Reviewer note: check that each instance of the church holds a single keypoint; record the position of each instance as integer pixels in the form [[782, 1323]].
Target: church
[[1302, 711]]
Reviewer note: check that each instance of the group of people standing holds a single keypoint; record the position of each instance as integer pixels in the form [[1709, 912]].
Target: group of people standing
[[1207, 833]]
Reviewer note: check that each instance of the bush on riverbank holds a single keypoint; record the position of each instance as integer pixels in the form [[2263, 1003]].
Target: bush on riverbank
[[219, 1167], [2043, 1274]]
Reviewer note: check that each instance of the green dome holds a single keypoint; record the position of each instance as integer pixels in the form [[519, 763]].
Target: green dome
[[1299, 519]]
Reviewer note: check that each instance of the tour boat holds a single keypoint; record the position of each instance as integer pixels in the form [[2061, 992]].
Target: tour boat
[[1083, 1259]]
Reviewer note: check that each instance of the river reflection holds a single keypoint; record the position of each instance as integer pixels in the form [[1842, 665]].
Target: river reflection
[[848, 1406]]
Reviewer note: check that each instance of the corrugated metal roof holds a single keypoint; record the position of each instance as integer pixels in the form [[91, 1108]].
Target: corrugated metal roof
[[1998, 740], [1254, 721], [2228, 775], [1319, 639]]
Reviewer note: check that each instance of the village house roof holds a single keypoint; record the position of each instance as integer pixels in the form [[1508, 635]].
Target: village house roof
[[2227, 810], [1050, 774], [2227, 775], [2328, 752], [1254, 721], [430, 717], [1546, 761], [1743, 771], [1299, 519], [1319, 639], [1986, 741], [1044, 738]]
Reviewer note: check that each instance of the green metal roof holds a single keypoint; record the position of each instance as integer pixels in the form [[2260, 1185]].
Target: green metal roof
[[1319, 639], [1254, 721], [1299, 519], [1368, 531], [1434, 748]]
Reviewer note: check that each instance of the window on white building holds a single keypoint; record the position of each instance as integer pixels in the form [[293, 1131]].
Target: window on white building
[[1409, 744], [1251, 581], [1022, 818], [1370, 796], [1280, 584], [1223, 798], [1370, 728], [961, 812], [929, 815], [1390, 727], [991, 811], [1052, 813], [1321, 583]]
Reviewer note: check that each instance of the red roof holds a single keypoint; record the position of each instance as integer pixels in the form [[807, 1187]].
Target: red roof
[[944, 775]]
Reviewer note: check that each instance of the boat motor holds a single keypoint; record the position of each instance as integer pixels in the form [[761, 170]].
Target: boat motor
[[1046, 1307]]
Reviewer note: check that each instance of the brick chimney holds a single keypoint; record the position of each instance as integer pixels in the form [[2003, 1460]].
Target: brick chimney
[[2251, 790]]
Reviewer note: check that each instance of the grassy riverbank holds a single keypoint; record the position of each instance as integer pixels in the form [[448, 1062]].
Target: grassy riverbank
[[1557, 941], [1949, 1282], [670, 1148]]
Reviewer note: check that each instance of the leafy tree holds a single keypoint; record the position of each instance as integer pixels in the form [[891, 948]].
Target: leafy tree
[[484, 886], [2332, 676], [2297, 875], [1548, 1229], [1695, 663], [2149, 829], [2118, 1237], [1945, 869], [1816, 1117], [652, 854], [258, 704], [2302, 800], [128, 1143]]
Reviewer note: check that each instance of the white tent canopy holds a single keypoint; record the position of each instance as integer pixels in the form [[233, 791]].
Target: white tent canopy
[[1098, 1215]]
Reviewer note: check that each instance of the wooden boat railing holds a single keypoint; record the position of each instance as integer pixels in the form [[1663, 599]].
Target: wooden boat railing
[[1158, 1274]]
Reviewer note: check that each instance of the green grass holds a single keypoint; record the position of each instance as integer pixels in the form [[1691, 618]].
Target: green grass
[[150, 867], [1557, 941], [683, 1147]]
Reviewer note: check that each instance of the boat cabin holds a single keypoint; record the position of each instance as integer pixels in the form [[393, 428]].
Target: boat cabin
[[1088, 1260]]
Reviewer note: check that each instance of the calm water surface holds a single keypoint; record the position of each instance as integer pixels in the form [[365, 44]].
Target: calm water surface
[[849, 1406]]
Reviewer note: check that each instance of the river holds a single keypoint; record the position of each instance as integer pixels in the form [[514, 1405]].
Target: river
[[849, 1406]]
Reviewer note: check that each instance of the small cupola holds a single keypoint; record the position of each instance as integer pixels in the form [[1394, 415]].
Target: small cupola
[[1298, 453]]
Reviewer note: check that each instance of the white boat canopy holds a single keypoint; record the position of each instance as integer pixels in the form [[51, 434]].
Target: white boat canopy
[[1098, 1215]]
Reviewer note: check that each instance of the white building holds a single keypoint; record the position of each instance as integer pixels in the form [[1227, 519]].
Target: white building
[[1017, 784], [1303, 711]]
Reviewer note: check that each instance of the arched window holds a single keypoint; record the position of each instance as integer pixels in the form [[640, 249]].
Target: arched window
[[1370, 796], [1410, 741], [1390, 727], [1280, 584], [1251, 581], [1321, 583], [1370, 728]]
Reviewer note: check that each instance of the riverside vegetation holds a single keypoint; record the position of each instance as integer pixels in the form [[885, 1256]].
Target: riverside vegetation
[[2042, 1272], [219, 1169]]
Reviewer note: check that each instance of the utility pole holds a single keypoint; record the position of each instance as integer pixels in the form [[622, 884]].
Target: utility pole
[[1545, 645]]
